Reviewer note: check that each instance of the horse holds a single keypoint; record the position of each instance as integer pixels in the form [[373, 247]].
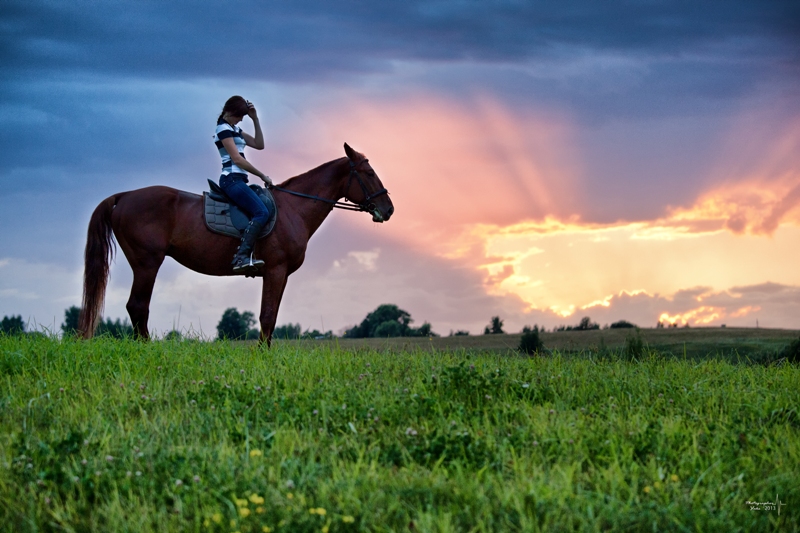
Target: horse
[[155, 222]]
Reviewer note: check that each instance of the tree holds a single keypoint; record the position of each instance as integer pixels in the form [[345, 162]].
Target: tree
[[174, 335], [71, 316], [234, 325], [423, 331], [117, 329], [287, 331], [317, 334], [624, 324], [383, 313], [390, 328], [586, 324], [495, 326], [12, 325], [530, 343]]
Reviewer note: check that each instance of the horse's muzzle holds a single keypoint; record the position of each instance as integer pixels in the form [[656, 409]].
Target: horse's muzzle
[[378, 216]]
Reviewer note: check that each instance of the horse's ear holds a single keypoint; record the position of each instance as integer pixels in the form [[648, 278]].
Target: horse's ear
[[352, 155]]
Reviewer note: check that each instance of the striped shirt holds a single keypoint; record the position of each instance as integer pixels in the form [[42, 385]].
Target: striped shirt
[[225, 131]]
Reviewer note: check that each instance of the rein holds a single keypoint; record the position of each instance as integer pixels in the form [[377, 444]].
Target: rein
[[347, 205]]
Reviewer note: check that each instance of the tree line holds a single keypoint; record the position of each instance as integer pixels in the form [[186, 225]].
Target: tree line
[[387, 320], [14, 325]]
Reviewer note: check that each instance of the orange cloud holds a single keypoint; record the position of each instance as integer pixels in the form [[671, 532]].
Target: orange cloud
[[499, 192], [754, 207], [705, 315]]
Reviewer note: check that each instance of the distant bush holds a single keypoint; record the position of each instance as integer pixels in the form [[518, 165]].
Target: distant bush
[[173, 335], [530, 343], [634, 346], [460, 333], [584, 325], [317, 334], [12, 325], [622, 324], [423, 331], [792, 352]]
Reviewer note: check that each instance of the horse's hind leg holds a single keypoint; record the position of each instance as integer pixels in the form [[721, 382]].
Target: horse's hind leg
[[144, 277]]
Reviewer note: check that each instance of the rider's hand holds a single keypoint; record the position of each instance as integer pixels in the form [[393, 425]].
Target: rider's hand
[[252, 113], [267, 181]]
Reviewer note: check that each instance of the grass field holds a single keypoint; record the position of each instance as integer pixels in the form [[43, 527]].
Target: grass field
[[347, 436], [733, 344]]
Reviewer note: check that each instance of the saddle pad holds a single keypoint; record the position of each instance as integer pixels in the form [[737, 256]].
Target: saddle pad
[[227, 219]]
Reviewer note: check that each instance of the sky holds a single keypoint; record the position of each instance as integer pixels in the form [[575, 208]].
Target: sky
[[621, 160]]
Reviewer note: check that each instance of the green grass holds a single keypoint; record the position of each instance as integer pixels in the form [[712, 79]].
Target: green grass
[[188, 436], [759, 345]]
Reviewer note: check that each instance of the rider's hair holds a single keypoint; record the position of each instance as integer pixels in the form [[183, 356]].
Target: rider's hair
[[235, 106]]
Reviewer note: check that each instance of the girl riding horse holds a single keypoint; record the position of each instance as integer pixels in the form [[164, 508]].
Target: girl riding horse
[[231, 141]]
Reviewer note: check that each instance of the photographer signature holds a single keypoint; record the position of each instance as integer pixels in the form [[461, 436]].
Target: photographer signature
[[766, 506]]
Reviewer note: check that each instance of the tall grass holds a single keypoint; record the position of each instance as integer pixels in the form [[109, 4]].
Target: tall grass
[[186, 436]]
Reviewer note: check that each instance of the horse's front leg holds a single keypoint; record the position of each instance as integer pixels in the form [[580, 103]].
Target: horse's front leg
[[271, 294]]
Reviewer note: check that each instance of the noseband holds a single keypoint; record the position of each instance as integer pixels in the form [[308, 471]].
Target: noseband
[[366, 205]]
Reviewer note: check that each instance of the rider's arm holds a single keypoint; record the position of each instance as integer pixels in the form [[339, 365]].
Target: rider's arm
[[256, 142], [241, 162]]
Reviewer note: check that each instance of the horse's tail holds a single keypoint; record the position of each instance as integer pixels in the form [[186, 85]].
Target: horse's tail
[[97, 258]]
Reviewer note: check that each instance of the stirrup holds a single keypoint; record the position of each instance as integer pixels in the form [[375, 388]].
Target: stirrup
[[247, 266]]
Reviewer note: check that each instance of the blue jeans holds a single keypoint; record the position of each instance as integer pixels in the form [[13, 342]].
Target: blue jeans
[[235, 186]]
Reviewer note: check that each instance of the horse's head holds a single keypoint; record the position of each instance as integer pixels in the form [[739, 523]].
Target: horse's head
[[364, 187]]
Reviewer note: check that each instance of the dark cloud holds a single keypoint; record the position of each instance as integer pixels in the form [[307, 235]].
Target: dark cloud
[[314, 40]]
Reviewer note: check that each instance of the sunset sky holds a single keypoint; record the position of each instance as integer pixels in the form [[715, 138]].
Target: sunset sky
[[547, 161]]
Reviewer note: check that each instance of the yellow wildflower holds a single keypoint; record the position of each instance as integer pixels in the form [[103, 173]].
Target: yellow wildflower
[[259, 510], [266, 529], [207, 523], [312, 511], [255, 453], [290, 496], [325, 528], [241, 502], [674, 477], [647, 490], [255, 498], [348, 519], [657, 484], [216, 518], [321, 511], [244, 512], [233, 523]]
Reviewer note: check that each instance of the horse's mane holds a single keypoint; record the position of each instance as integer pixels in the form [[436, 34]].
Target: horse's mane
[[319, 170]]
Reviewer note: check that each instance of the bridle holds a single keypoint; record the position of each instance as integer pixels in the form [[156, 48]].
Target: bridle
[[366, 205]]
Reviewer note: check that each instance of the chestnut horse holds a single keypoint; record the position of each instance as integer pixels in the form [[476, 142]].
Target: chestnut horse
[[156, 222]]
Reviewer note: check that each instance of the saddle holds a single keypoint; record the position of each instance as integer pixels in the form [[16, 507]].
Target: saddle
[[224, 217]]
